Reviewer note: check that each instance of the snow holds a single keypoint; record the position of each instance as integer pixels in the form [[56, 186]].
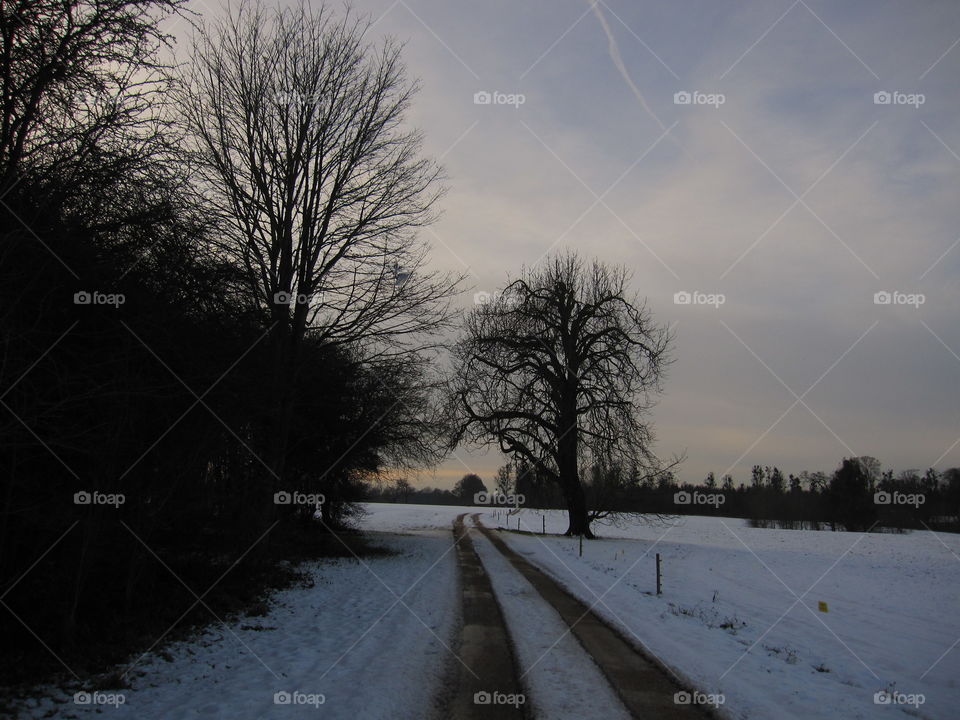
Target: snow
[[738, 616], [892, 600], [562, 680], [370, 637]]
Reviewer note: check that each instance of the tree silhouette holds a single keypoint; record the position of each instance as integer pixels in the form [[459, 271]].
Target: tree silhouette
[[296, 129], [559, 372]]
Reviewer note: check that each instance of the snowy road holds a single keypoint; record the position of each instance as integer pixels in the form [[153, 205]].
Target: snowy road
[[382, 637]]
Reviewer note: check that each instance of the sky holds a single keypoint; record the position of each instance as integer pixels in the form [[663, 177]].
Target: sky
[[778, 163]]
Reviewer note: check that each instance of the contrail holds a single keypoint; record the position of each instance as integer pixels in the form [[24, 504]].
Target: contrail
[[617, 59]]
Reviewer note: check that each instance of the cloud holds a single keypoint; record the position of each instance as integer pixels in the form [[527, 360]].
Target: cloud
[[796, 104]]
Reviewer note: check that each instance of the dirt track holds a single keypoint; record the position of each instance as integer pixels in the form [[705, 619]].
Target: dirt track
[[488, 665], [488, 676], [645, 688]]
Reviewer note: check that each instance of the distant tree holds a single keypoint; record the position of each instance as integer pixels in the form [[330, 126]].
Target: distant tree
[[849, 498], [776, 481], [665, 481], [727, 482], [402, 489], [931, 480], [711, 481], [818, 481], [795, 484], [560, 371], [872, 469], [951, 478], [756, 476], [504, 480], [468, 486]]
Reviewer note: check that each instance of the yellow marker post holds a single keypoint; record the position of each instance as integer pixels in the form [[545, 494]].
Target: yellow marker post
[[822, 606]]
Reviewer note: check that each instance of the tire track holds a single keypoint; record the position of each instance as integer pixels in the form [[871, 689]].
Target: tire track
[[641, 683], [488, 669]]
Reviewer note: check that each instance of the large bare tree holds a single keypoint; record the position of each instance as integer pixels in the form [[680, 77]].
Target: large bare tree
[[297, 125], [561, 370]]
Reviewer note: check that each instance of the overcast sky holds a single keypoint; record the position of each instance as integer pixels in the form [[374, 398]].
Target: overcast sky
[[784, 185]]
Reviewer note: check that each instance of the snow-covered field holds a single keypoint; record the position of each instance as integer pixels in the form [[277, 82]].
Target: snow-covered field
[[369, 640], [740, 613]]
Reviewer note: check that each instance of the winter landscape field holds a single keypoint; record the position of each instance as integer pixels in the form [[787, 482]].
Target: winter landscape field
[[738, 617], [452, 360]]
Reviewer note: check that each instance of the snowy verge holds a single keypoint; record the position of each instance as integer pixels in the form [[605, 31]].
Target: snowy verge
[[369, 639]]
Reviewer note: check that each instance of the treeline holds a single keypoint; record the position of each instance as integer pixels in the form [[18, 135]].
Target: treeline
[[857, 496], [179, 403], [851, 498]]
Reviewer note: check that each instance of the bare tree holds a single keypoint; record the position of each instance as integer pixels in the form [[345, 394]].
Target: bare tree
[[503, 480], [562, 368], [296, 126], [78, 79]]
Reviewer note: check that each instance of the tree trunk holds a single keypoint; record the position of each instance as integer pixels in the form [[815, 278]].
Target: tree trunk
[[579, 522], [568, 467]]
